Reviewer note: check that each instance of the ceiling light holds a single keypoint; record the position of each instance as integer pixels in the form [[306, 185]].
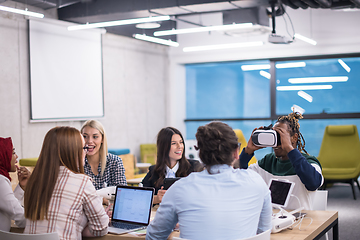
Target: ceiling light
[[304, 87], [156, 40], [344, 65], [305, 96], [296, 108], [119, 22], [222, 46], [265, 74], [149, 25], [267, 66], [305, 39], [203, 29], [255, 67], [290, 65], [24, 12], [318, 79]]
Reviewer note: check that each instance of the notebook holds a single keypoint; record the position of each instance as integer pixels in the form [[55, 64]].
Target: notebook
[[280, 192], [132, 209]]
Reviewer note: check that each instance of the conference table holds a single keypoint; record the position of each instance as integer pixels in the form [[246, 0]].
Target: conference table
[[322, 222]]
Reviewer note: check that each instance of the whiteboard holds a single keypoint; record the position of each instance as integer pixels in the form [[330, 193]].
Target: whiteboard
[[65, 72]]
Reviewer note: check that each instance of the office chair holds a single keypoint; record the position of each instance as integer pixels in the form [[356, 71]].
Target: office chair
[[148, 153], [261, 236], [319, 202], [21, 236], [129, 163], [28, 162], [242, 140], [340, 155]]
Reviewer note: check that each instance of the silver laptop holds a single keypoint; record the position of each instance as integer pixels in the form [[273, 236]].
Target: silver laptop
[[132, 209]]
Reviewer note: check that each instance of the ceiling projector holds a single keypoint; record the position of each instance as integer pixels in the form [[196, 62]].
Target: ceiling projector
[[278, 39]]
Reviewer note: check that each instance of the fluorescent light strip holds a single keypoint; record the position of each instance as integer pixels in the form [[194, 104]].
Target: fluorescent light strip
[[222, 46], [156, 40], [291, 65], [318, 79], [304, 87], [119, 22], [296, 108], [203, 29], [267, 66], [305, 96], [265, 74], [305, 39], [24, 12], [344, 65], [255, 67]]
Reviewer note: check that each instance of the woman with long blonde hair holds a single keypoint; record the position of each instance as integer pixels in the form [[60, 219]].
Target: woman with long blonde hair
[[59, 197], [104, 168]]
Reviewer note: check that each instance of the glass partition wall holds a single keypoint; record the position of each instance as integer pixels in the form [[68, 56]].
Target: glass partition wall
[[249, 94]]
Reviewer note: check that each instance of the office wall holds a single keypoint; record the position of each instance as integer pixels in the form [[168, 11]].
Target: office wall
[[144, 83], [135, 77]]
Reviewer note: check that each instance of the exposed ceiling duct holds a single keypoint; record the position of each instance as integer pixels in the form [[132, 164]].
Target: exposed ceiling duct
[[332, 4], [240, 11]]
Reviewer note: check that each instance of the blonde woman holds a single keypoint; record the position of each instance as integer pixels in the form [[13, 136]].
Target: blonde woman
[[104, 168]]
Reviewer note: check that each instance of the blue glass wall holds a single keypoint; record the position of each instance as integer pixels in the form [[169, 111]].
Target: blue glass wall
[[343, 97], [235, 91]]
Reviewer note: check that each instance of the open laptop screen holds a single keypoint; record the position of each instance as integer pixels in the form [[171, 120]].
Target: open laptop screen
[[280, 192], [133, 204]]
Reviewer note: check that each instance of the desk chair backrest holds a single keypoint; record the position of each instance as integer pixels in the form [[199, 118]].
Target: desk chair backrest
[[262, 236], [148, 153], [319, 201], [340, 152], [21, 236], [242, 140]]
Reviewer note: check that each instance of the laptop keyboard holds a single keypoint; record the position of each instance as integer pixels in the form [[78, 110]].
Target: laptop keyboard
[[125, 225]]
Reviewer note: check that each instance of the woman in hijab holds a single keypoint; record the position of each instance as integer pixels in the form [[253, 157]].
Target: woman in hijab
[[10, 202]]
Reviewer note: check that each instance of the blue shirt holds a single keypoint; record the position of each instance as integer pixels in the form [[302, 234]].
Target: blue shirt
[[227, 204]]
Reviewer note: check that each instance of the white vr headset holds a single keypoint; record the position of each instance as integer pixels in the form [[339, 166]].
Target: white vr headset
[[265, 138]]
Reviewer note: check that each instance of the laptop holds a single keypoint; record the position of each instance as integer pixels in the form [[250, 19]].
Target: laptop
[[132, 209], [280, 192]]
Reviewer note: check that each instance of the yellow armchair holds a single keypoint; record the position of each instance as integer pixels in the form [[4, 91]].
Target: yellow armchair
[[340, 155], [28, 162], [148, 153], [243, 142]]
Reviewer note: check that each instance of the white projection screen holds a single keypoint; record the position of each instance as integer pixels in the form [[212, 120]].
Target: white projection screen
[[65, 72]]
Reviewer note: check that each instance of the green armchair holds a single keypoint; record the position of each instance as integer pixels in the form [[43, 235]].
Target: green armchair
[[340, 155]]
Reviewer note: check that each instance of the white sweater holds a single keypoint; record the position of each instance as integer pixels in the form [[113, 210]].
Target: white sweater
[[10, 205]]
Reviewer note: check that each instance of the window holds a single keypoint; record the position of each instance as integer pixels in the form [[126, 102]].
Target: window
[[325, 91], [319, 86]]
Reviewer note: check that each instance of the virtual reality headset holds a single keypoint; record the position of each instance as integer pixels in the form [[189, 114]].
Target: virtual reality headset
[[265, 138]]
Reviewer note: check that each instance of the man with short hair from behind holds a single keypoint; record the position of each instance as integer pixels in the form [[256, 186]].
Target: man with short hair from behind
[[218, 203]]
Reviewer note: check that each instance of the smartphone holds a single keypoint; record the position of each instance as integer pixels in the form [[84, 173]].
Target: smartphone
[[299, 215], [169, 181]]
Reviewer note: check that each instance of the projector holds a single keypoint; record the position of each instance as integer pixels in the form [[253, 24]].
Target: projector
[[278, 39]]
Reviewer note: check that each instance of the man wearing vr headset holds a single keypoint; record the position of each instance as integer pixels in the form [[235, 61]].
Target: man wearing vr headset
[[289, 161]]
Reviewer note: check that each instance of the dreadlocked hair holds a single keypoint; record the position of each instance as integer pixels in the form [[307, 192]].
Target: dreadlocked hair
[[293, 121]]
